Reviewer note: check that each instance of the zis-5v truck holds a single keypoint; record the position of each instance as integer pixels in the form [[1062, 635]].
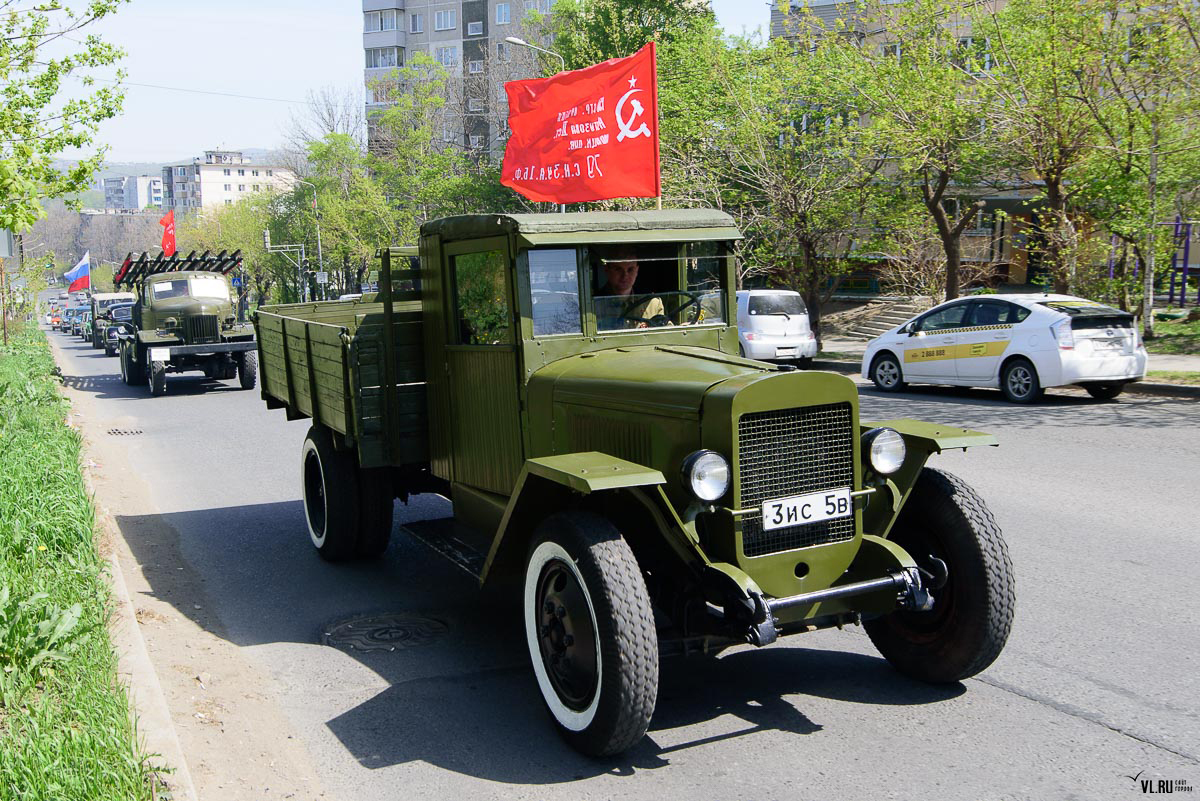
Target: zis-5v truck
[[183, 320], [612, 460]]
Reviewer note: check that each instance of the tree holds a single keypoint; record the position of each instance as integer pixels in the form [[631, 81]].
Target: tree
[[1044, 63], [587, 32], [1146, 113], [914, 75], [784, 154], [37, 122]]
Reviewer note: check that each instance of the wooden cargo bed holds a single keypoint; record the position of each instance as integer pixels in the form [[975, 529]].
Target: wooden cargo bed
[[327, 361]]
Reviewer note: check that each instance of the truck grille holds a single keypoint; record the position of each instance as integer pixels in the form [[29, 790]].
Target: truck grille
[[792, 452], [201, 329]]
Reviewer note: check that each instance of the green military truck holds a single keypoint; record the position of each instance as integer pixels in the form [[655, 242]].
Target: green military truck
[[640, 487], [183, 320]]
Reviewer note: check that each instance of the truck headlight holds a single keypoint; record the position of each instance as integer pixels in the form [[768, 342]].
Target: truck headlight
[[706, 474], [884, 450]]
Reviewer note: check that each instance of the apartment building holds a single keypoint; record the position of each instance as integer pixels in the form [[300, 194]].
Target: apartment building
[[132, 193], [467, 37], [219, 178]]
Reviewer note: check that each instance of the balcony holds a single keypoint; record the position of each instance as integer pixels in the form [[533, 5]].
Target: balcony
[[382, 5], [384, 39]]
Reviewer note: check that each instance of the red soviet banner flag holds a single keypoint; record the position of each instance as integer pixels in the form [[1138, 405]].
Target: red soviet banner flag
[[589, 134], [168, 237]]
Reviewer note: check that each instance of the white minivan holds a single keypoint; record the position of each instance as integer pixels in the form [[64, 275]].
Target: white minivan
[[773, 324]]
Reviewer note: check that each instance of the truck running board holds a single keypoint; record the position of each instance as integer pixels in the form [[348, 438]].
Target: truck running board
[[447, 537]]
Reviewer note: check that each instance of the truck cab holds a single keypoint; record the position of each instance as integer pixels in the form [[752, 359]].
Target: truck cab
[[572, 383]]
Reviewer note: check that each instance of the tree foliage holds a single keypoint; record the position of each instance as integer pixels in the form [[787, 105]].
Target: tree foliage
[[41, 116]]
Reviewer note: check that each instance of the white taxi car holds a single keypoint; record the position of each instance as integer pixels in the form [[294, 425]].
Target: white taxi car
[[1018, 343], [773, 324]]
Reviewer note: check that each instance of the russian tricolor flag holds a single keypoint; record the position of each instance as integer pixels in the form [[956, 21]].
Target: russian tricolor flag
[[80, 276]]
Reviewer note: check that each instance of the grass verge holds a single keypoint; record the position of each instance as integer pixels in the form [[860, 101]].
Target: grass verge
[[65, 728], [1175, 336], [1174, 377]]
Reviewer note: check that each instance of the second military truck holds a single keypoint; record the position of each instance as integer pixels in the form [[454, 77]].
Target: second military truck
[[183, 320], [572, 383]]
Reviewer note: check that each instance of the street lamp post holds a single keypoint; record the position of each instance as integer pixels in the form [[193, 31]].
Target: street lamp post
[[317, 216], [562, 207]]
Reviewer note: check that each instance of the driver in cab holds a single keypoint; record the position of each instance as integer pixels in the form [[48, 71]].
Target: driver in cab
[[616, 304]]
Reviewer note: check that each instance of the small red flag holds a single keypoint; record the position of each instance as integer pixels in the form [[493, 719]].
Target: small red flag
[[588, 134], [168, 237]]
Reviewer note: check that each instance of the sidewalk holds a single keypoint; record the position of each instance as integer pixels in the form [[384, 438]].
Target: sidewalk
[[1158, 361]]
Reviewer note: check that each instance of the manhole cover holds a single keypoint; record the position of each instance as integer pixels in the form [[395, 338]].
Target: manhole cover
[[383, 632], [124, 432]]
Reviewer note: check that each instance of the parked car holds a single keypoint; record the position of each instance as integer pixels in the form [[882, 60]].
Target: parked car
[[1020, 344], [773, 324], [85, 325]]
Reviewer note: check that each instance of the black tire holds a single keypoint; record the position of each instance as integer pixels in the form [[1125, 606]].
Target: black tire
[[110, 351], [376, 501], [1019, 381], [886, 373], [804, 362], [973, 613], [247, 369], [134, 368], [329, 487], [1104, 391], [122, 359], [590, 631], [156, 378]]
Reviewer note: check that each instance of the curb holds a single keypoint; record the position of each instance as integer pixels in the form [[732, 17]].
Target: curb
[[1140, 387], [153, 725]]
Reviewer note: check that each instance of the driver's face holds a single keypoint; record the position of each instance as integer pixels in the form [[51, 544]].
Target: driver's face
[[621, 275]]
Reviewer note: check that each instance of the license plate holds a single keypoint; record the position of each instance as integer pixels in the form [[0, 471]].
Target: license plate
[[160, 354], [1106, 344], [811, 508], [785, 351]]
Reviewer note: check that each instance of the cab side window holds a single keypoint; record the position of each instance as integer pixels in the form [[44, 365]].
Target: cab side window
[[554, 284], [481, 305], [949, 317]]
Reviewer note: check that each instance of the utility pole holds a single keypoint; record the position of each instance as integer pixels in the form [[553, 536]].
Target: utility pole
[[287, 250]]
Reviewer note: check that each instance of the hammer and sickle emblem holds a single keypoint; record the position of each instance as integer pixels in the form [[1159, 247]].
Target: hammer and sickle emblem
[[626, 125]]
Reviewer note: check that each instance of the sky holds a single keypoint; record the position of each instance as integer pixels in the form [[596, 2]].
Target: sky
[[230, 74]]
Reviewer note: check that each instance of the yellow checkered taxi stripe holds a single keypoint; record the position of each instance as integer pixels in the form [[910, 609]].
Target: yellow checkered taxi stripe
[[969, 350]]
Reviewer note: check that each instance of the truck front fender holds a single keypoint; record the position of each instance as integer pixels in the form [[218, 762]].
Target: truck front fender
[[550, 483], [921, 440]]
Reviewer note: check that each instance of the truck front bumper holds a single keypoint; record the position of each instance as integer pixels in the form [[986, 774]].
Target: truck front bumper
[[199, 350]]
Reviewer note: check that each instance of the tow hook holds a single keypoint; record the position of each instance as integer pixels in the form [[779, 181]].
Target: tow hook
[[915, 597], [762, 630]]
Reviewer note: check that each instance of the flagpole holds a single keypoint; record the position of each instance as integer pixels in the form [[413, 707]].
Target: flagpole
[[657, 126]]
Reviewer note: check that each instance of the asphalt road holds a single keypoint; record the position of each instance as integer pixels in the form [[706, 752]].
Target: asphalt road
[[1100, 681]]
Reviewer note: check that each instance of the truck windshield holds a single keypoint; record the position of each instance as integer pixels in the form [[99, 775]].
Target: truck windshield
[[195, 286], [658, 284]]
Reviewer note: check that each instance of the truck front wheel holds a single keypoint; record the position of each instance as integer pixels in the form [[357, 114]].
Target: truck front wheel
[[590, 632], [972, 613], [247, 369], [156, 377]]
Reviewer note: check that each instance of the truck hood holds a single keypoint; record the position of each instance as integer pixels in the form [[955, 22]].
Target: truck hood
[[657, 379]]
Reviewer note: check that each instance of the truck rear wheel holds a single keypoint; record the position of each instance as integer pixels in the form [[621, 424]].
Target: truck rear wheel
[[590, 631], [329, 481], [247, 369], [375, 503], [972, 614]]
